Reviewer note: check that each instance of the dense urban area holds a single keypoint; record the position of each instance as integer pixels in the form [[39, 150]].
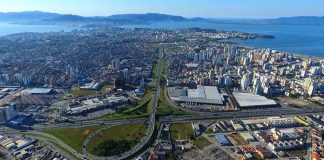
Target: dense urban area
[[158, 94]]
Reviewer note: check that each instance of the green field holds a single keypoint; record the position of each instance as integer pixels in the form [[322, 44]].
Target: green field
[[164, 69], [165, 109], [139, 112], [130, 132], [181, 131], [155, 71], [78, 92], [201, 142], [147, 95], [74, 137], [139, 109]]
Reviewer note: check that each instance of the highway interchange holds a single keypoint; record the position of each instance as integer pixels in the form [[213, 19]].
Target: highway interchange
[[151, 120]]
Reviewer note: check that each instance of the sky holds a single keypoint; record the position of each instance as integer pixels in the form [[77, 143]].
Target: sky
[[186, 8]]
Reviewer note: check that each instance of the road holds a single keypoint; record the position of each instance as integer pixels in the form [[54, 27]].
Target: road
[[150, 130], [168, 119], [201, 116]]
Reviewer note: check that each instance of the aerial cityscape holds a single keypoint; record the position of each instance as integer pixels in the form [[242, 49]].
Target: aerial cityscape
[[100, 80]]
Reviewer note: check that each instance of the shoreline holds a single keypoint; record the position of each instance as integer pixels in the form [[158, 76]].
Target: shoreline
[[302, 55], [295, 54]]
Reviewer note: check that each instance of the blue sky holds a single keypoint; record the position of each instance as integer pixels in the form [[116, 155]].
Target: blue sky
[[187, 8]]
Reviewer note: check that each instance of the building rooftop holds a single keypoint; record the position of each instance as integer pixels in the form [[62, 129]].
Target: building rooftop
[[248, 99], [203, 94], [40, 90]]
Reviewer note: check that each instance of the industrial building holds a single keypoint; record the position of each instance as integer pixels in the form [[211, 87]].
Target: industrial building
[[287, 145], [286, 134], [202, 95], [95, 104], [221, 139], [270, 122], [238, 127], [41, 91], [247, 136], [250, 101], [91, 86]]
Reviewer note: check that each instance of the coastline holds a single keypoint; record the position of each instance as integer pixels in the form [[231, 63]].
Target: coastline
[[20, 28]]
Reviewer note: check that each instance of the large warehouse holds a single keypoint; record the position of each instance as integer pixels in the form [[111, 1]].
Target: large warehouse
[[201, 95], [248, 100]]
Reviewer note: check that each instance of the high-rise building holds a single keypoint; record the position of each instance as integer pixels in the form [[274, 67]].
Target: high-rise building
[[257, 86], [7, 113], [2, 115], [312, 89], [71, 73], [116, 64], [211, 75], [245, 82], [126, 75], [308, 83]]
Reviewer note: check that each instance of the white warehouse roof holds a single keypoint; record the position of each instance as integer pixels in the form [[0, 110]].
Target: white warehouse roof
[[203, 94], [248, 99], [40, 90]]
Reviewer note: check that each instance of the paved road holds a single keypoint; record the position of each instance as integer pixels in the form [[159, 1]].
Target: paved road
[[150, 129], [168, 119], [220, 115], [50, 139]]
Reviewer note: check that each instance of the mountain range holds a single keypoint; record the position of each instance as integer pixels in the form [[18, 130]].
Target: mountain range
[[55, 18]]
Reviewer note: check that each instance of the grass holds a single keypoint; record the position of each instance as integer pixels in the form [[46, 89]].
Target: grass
[[139, 112], [149, 143], [164, 69], [138, 109], [54, 144], [66, 151], [210, 131], [78, 92], [129, 132], [165, 109], [73, 137], [147, 95], [201, 142], [155, 70], [181, 131]]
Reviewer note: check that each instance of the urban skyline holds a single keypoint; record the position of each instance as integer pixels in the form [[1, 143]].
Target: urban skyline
[[161, 86]]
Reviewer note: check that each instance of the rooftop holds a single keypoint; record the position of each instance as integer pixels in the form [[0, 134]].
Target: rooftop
[[203, 94], [248, 99], [40, 90]]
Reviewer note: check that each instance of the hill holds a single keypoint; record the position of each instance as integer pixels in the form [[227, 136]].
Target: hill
[[27, 16], [54, 18]]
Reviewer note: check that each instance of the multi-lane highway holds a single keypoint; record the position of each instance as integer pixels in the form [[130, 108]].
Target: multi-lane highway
[[167, 119], [200, 116]]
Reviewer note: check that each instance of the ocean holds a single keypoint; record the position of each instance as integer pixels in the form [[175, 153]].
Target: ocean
[[8, 28], [301, 39]]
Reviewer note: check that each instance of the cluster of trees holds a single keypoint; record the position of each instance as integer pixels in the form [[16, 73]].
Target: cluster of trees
[[112, 147]]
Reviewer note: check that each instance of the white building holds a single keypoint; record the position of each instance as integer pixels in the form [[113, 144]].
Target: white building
[[245, 82]]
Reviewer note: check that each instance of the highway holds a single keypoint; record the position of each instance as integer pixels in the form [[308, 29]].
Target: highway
[[171, 119], [150, 130], [199, 116], [36, 130]]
